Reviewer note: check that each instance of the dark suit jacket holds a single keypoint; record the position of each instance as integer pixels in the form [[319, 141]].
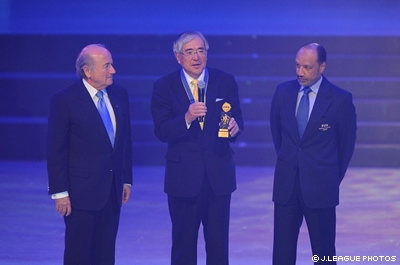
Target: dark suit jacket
[[81, 159], [192, 153], [321, 157]]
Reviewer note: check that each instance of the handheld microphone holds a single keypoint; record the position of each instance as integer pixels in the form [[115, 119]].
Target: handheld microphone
[[201, 85]]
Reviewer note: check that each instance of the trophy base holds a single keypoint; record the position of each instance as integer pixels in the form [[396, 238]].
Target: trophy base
[[223, 133]]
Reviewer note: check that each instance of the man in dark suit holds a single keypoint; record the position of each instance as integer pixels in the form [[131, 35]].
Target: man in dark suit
[[89, 158], [312, 155], [200, 171]]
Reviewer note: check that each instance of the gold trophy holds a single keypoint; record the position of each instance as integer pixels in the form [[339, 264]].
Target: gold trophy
[[224, 123]]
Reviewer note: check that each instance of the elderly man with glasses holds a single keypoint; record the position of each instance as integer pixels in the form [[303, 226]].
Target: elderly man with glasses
[[187, 107]]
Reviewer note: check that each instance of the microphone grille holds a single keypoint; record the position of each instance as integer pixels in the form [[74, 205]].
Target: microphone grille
[[201, 84]]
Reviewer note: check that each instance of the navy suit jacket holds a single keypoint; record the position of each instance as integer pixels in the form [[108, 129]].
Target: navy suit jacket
[[80, 157], [322, 156], [193, 152]]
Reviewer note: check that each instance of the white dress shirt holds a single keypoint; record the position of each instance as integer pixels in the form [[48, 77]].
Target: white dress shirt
[[92, 91], [312, 95], [189, 80]]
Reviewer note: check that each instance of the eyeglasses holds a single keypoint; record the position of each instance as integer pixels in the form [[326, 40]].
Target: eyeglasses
[[191, 53]]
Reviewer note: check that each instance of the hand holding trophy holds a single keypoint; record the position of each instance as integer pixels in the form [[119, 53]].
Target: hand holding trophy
[[224, 123]]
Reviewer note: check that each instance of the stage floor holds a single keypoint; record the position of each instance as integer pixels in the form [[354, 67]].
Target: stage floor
[[31, 231]]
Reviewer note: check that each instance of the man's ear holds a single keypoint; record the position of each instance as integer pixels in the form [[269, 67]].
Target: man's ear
[[178, 58], [322, 67], [86, 71]]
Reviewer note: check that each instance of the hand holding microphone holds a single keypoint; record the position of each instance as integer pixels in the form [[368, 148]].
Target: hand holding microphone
[[198, 108], [201, 86]]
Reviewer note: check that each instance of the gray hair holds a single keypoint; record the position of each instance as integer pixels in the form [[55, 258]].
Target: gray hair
[[185, 37], [85, 59]]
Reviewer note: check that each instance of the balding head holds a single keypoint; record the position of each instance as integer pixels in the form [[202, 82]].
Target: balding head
[[95, 65], [321, 52], [85, 58]]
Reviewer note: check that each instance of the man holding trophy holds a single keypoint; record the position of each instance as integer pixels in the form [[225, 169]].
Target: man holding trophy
[[196, 110]]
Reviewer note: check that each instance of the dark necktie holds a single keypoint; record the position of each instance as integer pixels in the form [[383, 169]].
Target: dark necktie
[[105, 116], [303, 110]]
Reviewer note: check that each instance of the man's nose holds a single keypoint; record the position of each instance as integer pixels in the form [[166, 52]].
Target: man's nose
[[299, 71]]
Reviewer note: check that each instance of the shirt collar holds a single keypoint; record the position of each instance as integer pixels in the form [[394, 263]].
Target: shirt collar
[[314, 88], [189, 79], [92, 91]]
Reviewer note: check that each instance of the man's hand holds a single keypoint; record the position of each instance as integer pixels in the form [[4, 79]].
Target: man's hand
[[126, 193], [63, 206], [233, 127], [195, 110]]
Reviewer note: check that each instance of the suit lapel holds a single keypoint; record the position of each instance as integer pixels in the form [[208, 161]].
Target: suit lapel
[[212, 89], [211, 96], [86, 103], [115, 103], [290, 103], [321, 104], [178, 91]]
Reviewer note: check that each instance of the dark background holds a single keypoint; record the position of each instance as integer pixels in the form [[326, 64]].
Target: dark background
[[254, 40]]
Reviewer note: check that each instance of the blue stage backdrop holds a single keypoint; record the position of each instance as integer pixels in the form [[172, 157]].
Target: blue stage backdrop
[[223, 17], [254, 40]]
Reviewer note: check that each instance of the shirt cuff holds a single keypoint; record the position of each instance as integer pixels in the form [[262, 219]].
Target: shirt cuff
[[59, 195]]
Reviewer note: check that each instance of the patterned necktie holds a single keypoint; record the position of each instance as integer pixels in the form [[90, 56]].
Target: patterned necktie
[[195, 90], [105, 116], [303, 111], [196, 97]]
